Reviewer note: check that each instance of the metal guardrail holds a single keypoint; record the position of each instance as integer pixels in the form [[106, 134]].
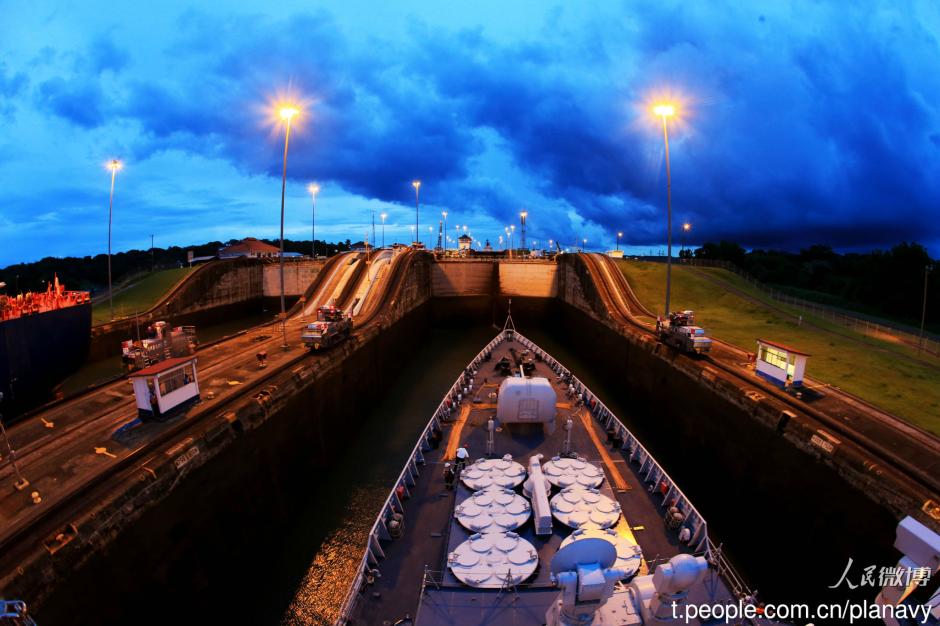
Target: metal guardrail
[[653, 473]]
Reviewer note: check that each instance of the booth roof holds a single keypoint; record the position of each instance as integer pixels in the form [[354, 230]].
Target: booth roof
[[162, 366], [777, 344]]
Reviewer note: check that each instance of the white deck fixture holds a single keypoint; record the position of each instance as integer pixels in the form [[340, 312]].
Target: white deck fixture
[[165, 386], [504, 473], [778, 363], [493, 560], [584, 571], [537, 488], [667, 589], [585, 508], [526, 400], [629, 555], [493, 510], [565, 473], [921, 549]]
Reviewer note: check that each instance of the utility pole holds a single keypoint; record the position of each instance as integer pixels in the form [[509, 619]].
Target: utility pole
[[151, 253], [923, 311]]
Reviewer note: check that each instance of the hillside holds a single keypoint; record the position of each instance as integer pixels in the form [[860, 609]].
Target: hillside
[[888, 375]]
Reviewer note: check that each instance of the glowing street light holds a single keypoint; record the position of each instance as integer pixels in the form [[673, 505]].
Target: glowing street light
[[585, 244], [619, 235], [314, 189], [417, 185], [287, 112], [114, 165], [686, 227], [665, 111], [383, 216]]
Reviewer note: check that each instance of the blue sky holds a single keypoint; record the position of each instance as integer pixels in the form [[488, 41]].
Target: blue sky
[[800, 122]]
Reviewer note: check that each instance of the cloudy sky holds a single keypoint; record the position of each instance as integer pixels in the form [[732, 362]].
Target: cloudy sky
[[799, 122]]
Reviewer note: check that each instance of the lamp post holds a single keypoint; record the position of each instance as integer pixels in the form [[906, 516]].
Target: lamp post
[[430, 237], [287, 114], [114, 165], [512, 233], [383, 216], [522, 217], [619, 235], [686, 227], [314, 189], [444, 243], [665, 111], [584, 241], [417, 185], [923, 311]]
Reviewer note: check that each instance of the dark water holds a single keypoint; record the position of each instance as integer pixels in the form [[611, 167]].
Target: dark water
[[295, 571]]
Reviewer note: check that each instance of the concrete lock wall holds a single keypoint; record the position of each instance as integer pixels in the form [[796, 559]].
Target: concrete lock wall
[[227, 287], [297, 277], [530, 279], [462, 278]]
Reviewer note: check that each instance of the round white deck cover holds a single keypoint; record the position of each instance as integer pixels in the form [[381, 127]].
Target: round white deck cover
[[564, 473], [492, 560], [493, 510], [583, 508], [504, 473], [629, 555]]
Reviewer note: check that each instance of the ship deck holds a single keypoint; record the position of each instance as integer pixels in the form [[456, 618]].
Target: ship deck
[[431, 531]]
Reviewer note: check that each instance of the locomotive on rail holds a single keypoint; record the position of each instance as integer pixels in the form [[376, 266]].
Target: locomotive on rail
[[332, 327], [679, 331]]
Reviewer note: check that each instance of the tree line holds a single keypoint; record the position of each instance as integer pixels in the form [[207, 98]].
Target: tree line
[[90, 273], [886, 283]]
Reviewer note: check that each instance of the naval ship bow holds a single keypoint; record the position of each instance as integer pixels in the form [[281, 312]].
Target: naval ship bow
[[563, 518]]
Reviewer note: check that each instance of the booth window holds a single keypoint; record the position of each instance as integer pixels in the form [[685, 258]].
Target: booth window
[[775, 357], [177, 378]]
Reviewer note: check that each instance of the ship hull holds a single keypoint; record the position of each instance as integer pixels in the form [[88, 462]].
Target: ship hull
[[38, 351]]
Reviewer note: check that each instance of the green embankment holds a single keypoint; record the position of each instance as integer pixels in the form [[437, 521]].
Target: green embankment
[[140, 296], [887, 374]]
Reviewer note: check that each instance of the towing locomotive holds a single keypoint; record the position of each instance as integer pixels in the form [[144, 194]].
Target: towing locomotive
[[332, 327], [680, 331]]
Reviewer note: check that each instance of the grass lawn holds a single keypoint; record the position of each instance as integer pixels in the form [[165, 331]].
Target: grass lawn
[[888, 375], [140, 296]]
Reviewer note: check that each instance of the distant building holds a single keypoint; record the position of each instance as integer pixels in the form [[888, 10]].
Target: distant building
[[249, 247], [487, 247], [615, 254], [464, 242]]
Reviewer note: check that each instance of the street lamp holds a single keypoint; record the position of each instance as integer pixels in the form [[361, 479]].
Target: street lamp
[[444, 215], [287, 113], [665, 111], [383, 216], [585, 244], [314, 189], [686, 227], [522, 216], [619, 235], [430, 236], [417, 185], [114, 165]]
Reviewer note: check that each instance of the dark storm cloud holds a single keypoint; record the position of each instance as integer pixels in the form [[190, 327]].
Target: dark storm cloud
[[804, 124]]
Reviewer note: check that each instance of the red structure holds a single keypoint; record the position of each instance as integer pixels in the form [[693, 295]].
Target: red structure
[[32, 303]]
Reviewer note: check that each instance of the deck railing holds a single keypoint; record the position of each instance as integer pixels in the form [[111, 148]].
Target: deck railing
[[650, 470]]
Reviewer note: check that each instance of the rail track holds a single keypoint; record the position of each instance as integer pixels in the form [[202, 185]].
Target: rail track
[[50, 517], [613, 288]]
